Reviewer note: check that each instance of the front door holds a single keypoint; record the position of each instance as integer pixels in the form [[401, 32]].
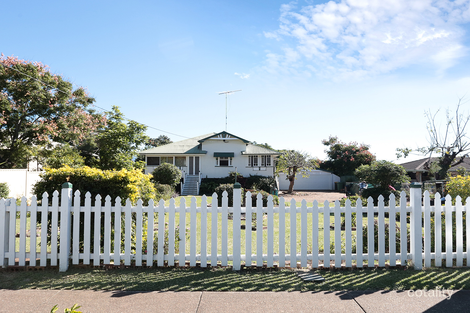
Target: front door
[[196, 165], [193, 165]]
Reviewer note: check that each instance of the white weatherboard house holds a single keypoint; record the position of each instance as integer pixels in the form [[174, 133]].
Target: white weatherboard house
[[213, 155]]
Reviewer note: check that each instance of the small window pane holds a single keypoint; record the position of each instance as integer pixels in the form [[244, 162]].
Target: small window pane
[[224, 161], [180, 161], [153, 161], [167, 160]]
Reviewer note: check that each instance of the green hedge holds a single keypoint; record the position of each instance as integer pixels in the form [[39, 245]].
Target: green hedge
[[259, 182], [229, 188], [209, 185], [265, 195], [165, 191], [126, 184], [167, 174]]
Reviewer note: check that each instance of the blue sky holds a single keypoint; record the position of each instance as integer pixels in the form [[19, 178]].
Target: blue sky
[[361, 70]]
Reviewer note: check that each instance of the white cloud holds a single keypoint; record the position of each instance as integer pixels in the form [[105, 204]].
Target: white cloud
[[243, 75], [356, 38]]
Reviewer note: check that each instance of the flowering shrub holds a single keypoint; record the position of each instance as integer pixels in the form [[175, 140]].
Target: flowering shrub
[[459, 186], [125, 184]]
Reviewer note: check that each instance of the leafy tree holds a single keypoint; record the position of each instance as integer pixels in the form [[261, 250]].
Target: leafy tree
[[450, 144], [345, 158], [38, 107], [167, 174], [292, 162], [4, 190], [62, 155], [118, 143], [157, 142], [383, 175]]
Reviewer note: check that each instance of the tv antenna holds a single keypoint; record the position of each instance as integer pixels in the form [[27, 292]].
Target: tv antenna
[[226, 93]]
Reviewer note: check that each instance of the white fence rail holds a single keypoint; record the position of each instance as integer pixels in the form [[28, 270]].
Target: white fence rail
[[286, 235]]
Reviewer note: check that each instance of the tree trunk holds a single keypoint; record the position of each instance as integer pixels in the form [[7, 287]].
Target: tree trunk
[[292, 179], [291, 184]]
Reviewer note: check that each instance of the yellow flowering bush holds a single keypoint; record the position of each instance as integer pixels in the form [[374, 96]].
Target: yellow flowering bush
[[126, 184], [459, 186]]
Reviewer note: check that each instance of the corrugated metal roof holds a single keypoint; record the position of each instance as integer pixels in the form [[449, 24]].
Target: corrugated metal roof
[[187, 146], [257, 150]]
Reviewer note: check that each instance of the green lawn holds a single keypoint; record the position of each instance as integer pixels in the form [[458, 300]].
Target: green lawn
[[224, 279]]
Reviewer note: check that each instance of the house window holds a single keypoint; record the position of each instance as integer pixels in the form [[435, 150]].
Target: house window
[[265, 160], [223, 161], [180, 161], [153, 161], [255, 160], [166, 160]]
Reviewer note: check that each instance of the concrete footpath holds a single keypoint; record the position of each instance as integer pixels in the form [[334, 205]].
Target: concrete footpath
[[206, 301]]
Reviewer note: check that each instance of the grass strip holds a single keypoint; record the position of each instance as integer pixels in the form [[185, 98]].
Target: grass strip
[[224, 279]]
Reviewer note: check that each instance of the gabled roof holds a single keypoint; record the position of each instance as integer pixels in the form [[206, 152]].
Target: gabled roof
[[420, 165], [223, 135], [187, 146]]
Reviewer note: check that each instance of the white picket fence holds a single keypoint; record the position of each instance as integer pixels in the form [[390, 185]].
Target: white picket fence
[[114, 234]]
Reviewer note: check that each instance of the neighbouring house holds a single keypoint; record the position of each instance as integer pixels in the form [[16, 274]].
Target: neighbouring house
[[213, 155], [316, 180], [419, 172]]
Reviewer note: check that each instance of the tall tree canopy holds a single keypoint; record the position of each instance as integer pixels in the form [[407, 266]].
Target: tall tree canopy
[[345, 158], [292, 162], [38, 107], [450, 143], [119, 142], [383, 175], [157, 142]]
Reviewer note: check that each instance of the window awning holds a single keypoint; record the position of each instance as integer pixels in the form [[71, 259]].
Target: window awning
[[223, 154]]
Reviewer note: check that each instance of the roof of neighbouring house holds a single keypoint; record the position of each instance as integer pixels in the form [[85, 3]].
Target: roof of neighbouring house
[[421, 165], [194, 146]]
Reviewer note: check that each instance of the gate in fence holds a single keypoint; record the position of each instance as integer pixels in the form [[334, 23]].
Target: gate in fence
[[284, 234]]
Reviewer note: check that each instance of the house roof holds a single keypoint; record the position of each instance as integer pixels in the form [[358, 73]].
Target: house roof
[[187, 146], [420, 165], [223, 135], [252, 149], [194, 146]]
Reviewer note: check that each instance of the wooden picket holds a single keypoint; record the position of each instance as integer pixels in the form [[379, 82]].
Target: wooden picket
[[110, 233]]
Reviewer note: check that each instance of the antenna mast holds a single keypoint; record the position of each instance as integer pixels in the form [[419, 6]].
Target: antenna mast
[[226, 93]]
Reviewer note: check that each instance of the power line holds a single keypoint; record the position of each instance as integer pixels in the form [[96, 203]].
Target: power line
[[104, 110]]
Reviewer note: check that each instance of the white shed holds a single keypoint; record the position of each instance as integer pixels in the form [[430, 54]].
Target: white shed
[[317, 180]]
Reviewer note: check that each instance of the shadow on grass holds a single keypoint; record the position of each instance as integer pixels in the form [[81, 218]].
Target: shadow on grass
[[224, 279]]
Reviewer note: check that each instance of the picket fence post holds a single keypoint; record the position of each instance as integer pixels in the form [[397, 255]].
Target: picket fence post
[[65, 226], [237, 198], [4, 231], [416, 243]]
